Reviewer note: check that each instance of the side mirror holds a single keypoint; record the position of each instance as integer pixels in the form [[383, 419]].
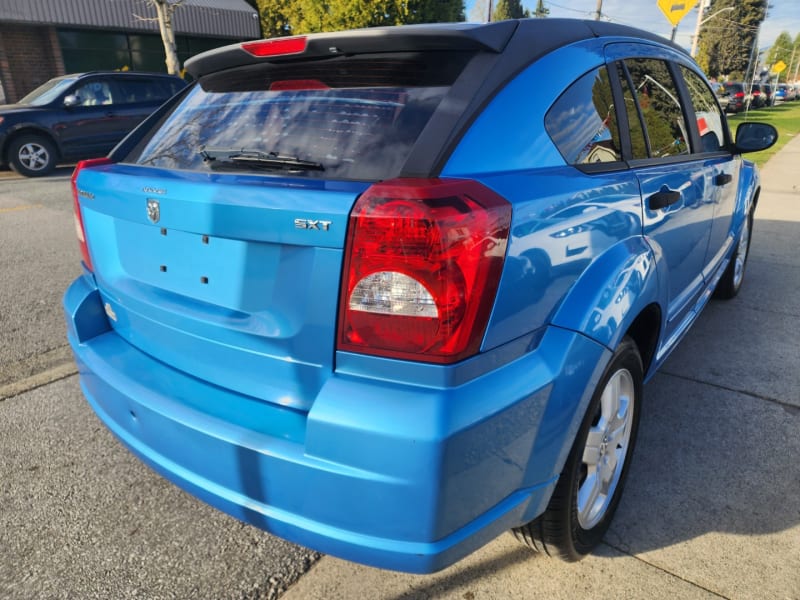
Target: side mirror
[[71, 100], [752, 137]]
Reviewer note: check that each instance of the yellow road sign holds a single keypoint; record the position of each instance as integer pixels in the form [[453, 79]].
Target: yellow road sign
[[675, 10], [778, 66]]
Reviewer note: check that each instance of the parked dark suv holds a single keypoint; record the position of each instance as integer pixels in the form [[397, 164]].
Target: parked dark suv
[[78, 116]]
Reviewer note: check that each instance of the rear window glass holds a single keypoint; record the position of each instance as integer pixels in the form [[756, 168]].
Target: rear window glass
[[342, 118]]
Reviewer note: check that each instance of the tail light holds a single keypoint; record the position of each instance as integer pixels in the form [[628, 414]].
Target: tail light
[[423, 260], [276, 46], [76, 205], [739, 95]]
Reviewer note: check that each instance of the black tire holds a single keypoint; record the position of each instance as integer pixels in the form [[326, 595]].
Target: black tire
[[731, 281], [32, 155], [562, 531]]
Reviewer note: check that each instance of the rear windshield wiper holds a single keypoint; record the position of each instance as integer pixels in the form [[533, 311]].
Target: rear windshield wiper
[[242, 157]]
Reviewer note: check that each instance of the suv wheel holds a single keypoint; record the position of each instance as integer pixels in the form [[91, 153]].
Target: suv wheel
[[590, 486], [32, 155]]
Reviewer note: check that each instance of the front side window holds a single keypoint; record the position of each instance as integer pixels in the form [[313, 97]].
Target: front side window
[[582, 122], [658, 100], [94, 93], [349, 118], [706, 112]]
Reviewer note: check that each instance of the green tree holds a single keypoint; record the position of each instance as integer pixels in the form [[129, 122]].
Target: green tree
[[727, 39], [509, 9], [290, 17], [794, 69], [540, 12], [784, 50], [276, 17]]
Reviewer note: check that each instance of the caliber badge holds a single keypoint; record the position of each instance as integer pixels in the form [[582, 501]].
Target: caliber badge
[[153, 210]]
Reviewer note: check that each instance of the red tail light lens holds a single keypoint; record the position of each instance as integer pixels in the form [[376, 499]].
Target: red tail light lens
[[80, 231], [423, 260], [276, 47], [739, 95]]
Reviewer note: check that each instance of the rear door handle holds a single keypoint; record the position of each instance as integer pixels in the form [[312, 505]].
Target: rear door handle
[[723, 179], [663, 199]]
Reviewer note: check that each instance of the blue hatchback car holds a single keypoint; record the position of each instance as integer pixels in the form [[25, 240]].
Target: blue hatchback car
[[388, 293]]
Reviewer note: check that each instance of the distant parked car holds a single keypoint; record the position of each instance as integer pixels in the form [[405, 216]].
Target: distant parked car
[[733, 98], [768, 91], [78, 116], [755, 98], [784, 93]]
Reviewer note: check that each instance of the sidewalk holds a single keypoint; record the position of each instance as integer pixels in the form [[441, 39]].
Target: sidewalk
[[712, 504]]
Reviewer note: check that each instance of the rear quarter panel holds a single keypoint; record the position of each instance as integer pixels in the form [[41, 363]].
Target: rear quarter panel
[[576, 256]]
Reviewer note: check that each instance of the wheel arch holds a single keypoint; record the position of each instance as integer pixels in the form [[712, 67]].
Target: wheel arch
[[617, 294], [645, 332], [28, 129]]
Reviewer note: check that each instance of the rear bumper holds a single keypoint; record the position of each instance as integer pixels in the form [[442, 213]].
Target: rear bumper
[[399, 476]]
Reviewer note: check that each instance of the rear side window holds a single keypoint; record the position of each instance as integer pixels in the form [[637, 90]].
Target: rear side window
[[582, 122], [343, 118], [133, 91], [657, 98]]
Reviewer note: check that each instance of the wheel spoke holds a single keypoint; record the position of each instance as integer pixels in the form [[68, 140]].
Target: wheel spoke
[[588, 496], [619, 424], [591, 452]]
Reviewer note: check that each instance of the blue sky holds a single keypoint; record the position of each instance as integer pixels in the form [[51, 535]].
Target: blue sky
[[784, 15]]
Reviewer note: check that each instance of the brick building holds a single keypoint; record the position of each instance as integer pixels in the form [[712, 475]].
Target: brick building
[[41, 39]]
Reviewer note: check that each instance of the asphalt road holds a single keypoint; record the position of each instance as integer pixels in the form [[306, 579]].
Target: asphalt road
[[79, 516], [711, 509], [40, 256]]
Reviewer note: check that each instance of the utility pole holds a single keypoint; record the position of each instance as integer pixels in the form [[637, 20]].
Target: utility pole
[[599, 12], [489, 18], [696, 37], [700, 21]]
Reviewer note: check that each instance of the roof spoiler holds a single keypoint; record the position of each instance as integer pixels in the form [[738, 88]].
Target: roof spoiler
[[488, 37]]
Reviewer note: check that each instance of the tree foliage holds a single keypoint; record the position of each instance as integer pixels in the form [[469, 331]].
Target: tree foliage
[[794, 69], [290, 17], [727, 39], [782, 50], [509, 9]]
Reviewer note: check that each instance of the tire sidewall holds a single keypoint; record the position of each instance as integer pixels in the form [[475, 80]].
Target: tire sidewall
[[585, 540], [728, 287]]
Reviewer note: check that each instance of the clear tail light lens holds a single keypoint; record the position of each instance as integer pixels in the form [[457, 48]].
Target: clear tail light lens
[[423, 260]]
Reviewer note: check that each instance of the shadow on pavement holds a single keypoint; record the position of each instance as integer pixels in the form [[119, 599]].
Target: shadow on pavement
[[718, 441]]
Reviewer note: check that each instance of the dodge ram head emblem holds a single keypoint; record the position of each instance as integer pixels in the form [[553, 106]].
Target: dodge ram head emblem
[[153, 210]]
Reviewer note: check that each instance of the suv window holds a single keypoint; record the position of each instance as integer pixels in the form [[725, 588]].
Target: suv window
[[706, 112], [347, 118], [658, 99], [133, 90], [582, 122], [94, 93]]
